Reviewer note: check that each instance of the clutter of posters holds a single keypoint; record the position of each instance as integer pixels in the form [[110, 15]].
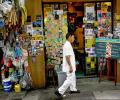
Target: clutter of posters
[[99, 25], [104, 18], [35, 30], [55, 20], [89, 31], [116, 32], [90, 36]]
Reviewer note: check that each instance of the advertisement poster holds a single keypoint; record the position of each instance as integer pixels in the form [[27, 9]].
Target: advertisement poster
[[104, 18], [55, 21], [89, 21], [90, 14]]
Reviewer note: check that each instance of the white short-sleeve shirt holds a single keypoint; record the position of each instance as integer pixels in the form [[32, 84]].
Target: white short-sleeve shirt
[[68, 51]]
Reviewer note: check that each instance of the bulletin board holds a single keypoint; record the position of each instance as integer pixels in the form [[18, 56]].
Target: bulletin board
[[97, 23], [55, 25], [89, 19]]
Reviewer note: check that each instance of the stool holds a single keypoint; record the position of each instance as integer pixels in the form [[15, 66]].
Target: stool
[[50, 74]]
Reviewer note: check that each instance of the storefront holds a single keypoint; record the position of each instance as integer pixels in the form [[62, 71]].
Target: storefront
[[22, 42], [87, 19], [14, 63]]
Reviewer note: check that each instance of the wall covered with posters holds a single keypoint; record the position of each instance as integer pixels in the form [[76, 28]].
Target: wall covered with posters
[[97, 23], [36, 48], [104, 18], [90, 36], [55, 22]]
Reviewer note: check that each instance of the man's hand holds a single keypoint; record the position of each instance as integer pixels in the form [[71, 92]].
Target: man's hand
[[71, 70], [69, 63]]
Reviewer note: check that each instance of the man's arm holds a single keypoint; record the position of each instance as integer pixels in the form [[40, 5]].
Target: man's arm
[[69, 63]]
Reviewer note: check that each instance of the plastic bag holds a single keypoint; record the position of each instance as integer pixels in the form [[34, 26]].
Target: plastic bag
[[6, 7], [22, 3], [25, 81]]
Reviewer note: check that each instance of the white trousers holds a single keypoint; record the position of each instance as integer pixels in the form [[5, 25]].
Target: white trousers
[[69, 82]]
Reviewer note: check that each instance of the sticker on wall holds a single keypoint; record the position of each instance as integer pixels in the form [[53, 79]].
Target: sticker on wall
[[29, 29], [38, 18], [89, 31], [37, 24]]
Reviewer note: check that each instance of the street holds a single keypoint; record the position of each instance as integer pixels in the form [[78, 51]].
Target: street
[[89, 87]]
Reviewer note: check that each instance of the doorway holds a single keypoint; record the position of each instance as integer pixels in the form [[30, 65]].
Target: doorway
[[75, 24], [87, 21]]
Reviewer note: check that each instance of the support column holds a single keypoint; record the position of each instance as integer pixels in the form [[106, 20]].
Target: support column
[[36, 63], [117, 13]]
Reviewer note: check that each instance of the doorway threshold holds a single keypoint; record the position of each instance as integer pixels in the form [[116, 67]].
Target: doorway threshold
[[87, 76]]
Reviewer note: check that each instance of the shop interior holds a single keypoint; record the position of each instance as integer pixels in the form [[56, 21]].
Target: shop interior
[[75, 24]]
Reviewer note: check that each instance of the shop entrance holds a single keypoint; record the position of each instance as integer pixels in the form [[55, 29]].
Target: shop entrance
[[87, 21], [75, 24]]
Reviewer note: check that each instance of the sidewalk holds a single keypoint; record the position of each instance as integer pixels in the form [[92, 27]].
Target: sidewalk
[[90, 90]]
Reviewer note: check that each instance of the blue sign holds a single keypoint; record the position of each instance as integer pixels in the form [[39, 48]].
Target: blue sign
[[101, 47], [107, 40]]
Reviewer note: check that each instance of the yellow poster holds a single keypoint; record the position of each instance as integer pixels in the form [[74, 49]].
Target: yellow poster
[[92, 64], [88, 59], [104, 7], [37, 37], [48, 9], [90, 42], [33, 38]]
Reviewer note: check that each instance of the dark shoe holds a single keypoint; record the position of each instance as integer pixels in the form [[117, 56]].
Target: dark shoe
[[78, 91], [59, 95]]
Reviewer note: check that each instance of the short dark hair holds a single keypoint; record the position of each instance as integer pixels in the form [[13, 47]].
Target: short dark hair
[[68, 35]]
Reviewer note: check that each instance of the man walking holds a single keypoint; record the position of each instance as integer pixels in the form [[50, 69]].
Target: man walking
[[68, 67]]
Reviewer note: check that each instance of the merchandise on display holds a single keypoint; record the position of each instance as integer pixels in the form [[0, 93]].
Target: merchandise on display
[[15, 61], [14, 45]]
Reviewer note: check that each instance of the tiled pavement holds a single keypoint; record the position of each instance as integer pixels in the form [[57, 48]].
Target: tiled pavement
[[90, 90]]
